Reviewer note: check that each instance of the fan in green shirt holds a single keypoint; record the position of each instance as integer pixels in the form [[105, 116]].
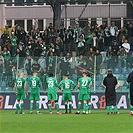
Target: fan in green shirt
[[66, 85]]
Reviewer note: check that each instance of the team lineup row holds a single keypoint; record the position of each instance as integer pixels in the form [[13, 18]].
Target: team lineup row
[[66, 86]]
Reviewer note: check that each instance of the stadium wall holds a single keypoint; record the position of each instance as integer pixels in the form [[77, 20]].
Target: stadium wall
[[8, 101]]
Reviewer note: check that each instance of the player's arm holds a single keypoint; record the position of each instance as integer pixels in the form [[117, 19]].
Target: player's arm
[[60, 85], [56, 84], [74, 85], [78, 85], [15, 88], [104, 83], [104, 86], [117, 86], [90, 85], [26, 88]]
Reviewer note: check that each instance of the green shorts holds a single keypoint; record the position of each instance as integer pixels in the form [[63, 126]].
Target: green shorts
[[89, 94], [67, 96], [82, 96], [35, 96], [21, 96], [52, 96]]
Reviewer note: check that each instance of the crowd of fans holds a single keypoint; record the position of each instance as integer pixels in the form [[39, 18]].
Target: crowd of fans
[[35, 45]]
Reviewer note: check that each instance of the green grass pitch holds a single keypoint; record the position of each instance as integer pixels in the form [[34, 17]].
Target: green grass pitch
[[96, 122]]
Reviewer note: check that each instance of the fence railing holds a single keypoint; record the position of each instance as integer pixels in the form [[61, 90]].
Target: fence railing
[[96, 65]]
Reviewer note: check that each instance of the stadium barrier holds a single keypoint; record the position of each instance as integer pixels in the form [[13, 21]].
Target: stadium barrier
[[8, 101], [97, 67]]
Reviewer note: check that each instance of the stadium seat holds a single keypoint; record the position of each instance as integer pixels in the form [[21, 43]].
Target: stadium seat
[[3, 85], [125, 84], [125, 70], [116, 71], [99, 77], [122, 77]]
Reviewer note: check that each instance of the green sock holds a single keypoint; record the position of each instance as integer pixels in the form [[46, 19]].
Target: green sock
[[21, 106], [37, 106], [66, 107], [115, 109], [110, 108], [107, 107], [70, 107], [57, 107], [17, 107], [89, 106], [31, 106], [49, 107], [79, 106], [84, 107], [131, 107]]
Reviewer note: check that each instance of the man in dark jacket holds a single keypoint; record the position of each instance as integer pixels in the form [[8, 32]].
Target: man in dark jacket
[[130, 81], [110, 84]]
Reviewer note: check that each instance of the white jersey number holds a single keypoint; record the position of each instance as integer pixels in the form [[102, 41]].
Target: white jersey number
[[34, 83]]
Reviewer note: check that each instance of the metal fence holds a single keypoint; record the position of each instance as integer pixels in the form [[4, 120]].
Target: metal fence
[[96, 65]]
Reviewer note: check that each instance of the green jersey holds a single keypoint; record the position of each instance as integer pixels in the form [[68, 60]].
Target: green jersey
[[51, 84], [34, 84], [20, 82], [84, 82], [14, 40], [67, 85]]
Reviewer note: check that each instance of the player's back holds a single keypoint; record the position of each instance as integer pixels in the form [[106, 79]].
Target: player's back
[[20, 85], [51, 84], [67, 85], [84, 82], [34, 84]]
